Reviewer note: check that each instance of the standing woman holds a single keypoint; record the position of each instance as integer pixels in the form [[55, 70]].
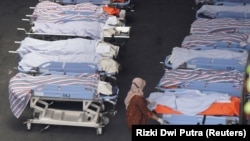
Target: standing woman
[[137, 112]]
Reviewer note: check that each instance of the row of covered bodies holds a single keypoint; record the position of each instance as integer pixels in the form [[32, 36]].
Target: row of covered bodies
[[66, 57], [204, 78]]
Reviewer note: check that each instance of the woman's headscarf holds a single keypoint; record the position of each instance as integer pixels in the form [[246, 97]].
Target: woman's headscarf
[[136, 89]]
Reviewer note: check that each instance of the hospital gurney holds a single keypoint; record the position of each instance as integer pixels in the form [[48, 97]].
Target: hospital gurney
[[191, 106], [81, 20], [63, 68], [224, 11], [72, 69], [67, 46], [223, 81], [220, 25], [33, 62], [40, 90], [75, 55], [123, 4], [207, 58], [214, 2], [230, 40]]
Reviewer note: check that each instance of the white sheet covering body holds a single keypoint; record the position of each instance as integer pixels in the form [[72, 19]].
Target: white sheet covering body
[[216, 40], [225, 11], [83, 20], [182, 76], [21, 84], [34, 60], [220, 25], [119, 4], [181, 55], [90, 29], [66, 47], [187, 101], [231, 2], [48, 11]]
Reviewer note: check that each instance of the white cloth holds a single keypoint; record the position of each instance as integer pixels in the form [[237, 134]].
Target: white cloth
[[113, 20], [90, 29], [33, 60], [66, 47], [104, 88], [161, 121], [58, 47], [109, 65], [213, 10], [107, 49], [181, 55], [187, 101]]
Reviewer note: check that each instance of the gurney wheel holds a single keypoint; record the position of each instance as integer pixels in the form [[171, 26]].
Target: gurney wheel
[[99, 131], [105, 120], [28, 126]]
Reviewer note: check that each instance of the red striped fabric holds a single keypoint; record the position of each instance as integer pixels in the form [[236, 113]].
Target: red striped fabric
[[198, 40], [221, 25], [179, 76], [21, 85], [47, 11]]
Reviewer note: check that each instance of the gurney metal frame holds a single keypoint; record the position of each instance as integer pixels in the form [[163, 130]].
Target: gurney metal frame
[[72, 69], [200, 120], [92, 114]]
